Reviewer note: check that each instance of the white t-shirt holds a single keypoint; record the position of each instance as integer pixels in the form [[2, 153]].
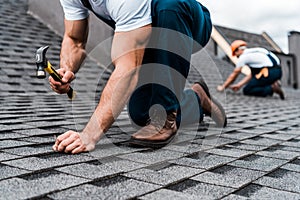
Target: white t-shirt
[[256, 58], [128, 14]]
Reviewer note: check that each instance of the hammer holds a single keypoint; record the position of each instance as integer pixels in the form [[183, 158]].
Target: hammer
[[43, 65]]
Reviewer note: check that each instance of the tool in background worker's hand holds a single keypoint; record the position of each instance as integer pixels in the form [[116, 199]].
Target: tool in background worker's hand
[[43, 66]]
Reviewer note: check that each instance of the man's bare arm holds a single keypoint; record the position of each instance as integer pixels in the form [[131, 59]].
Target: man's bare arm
[[240, 84], [127, 55], [72, 53], [73, 45], [231, 78]]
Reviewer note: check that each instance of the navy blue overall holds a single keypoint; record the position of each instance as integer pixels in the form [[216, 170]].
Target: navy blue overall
[[166, 60], [172, 50], [262, 87]]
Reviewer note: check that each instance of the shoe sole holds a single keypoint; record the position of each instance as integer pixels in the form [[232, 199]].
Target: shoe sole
[[151, 144], [204, 86], [282, 97], [281, 94], [218, 104]]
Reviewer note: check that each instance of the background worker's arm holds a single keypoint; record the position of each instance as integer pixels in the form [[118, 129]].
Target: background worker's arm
[[72, 53], [231, 78], [127, 54], [240, 84]]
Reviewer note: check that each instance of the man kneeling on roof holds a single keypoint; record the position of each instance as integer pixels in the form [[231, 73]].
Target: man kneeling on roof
[[264, 79]]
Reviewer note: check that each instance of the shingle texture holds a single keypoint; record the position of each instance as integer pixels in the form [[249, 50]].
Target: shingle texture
[[255, 157], [253, 40]]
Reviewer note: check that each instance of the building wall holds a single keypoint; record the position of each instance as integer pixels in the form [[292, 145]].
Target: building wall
[[289, 78], [294, 49]]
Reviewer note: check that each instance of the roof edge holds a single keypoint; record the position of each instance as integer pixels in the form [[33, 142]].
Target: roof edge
[[271, 42]]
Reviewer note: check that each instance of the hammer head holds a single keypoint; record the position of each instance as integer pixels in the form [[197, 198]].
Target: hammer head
[[41, 62]]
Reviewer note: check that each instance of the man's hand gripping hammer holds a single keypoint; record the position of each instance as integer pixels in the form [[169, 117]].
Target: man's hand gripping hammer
[[43, 66]]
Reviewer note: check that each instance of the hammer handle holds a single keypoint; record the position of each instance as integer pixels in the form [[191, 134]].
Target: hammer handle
[[71, 93], [55, 75]]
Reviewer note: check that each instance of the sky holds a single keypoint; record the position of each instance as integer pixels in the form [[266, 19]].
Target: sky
[[276, 17]]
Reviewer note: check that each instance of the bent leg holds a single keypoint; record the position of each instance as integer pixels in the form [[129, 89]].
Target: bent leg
[[139, 105], [262, 87], [177, 24], [255, 88]]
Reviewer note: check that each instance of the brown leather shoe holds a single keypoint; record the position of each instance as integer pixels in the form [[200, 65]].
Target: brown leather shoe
[[276, 87], [158, 133], [210, 106]]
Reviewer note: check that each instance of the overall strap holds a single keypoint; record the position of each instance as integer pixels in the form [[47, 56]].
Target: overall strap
[[272, 59], [87, 4]]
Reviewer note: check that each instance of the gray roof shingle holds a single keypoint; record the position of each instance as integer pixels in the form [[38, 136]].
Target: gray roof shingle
[[255, 157], [253, 39]]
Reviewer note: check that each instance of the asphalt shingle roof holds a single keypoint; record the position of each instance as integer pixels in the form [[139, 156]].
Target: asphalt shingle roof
[[252, 39], [255, 157]]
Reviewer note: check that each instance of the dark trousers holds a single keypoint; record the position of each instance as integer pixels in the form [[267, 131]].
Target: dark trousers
[[177, 24], [262, 86]]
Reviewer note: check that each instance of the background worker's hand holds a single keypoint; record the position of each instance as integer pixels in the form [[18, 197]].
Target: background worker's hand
[[64, 87], [72, 142], [220, 88], [235, 87]]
